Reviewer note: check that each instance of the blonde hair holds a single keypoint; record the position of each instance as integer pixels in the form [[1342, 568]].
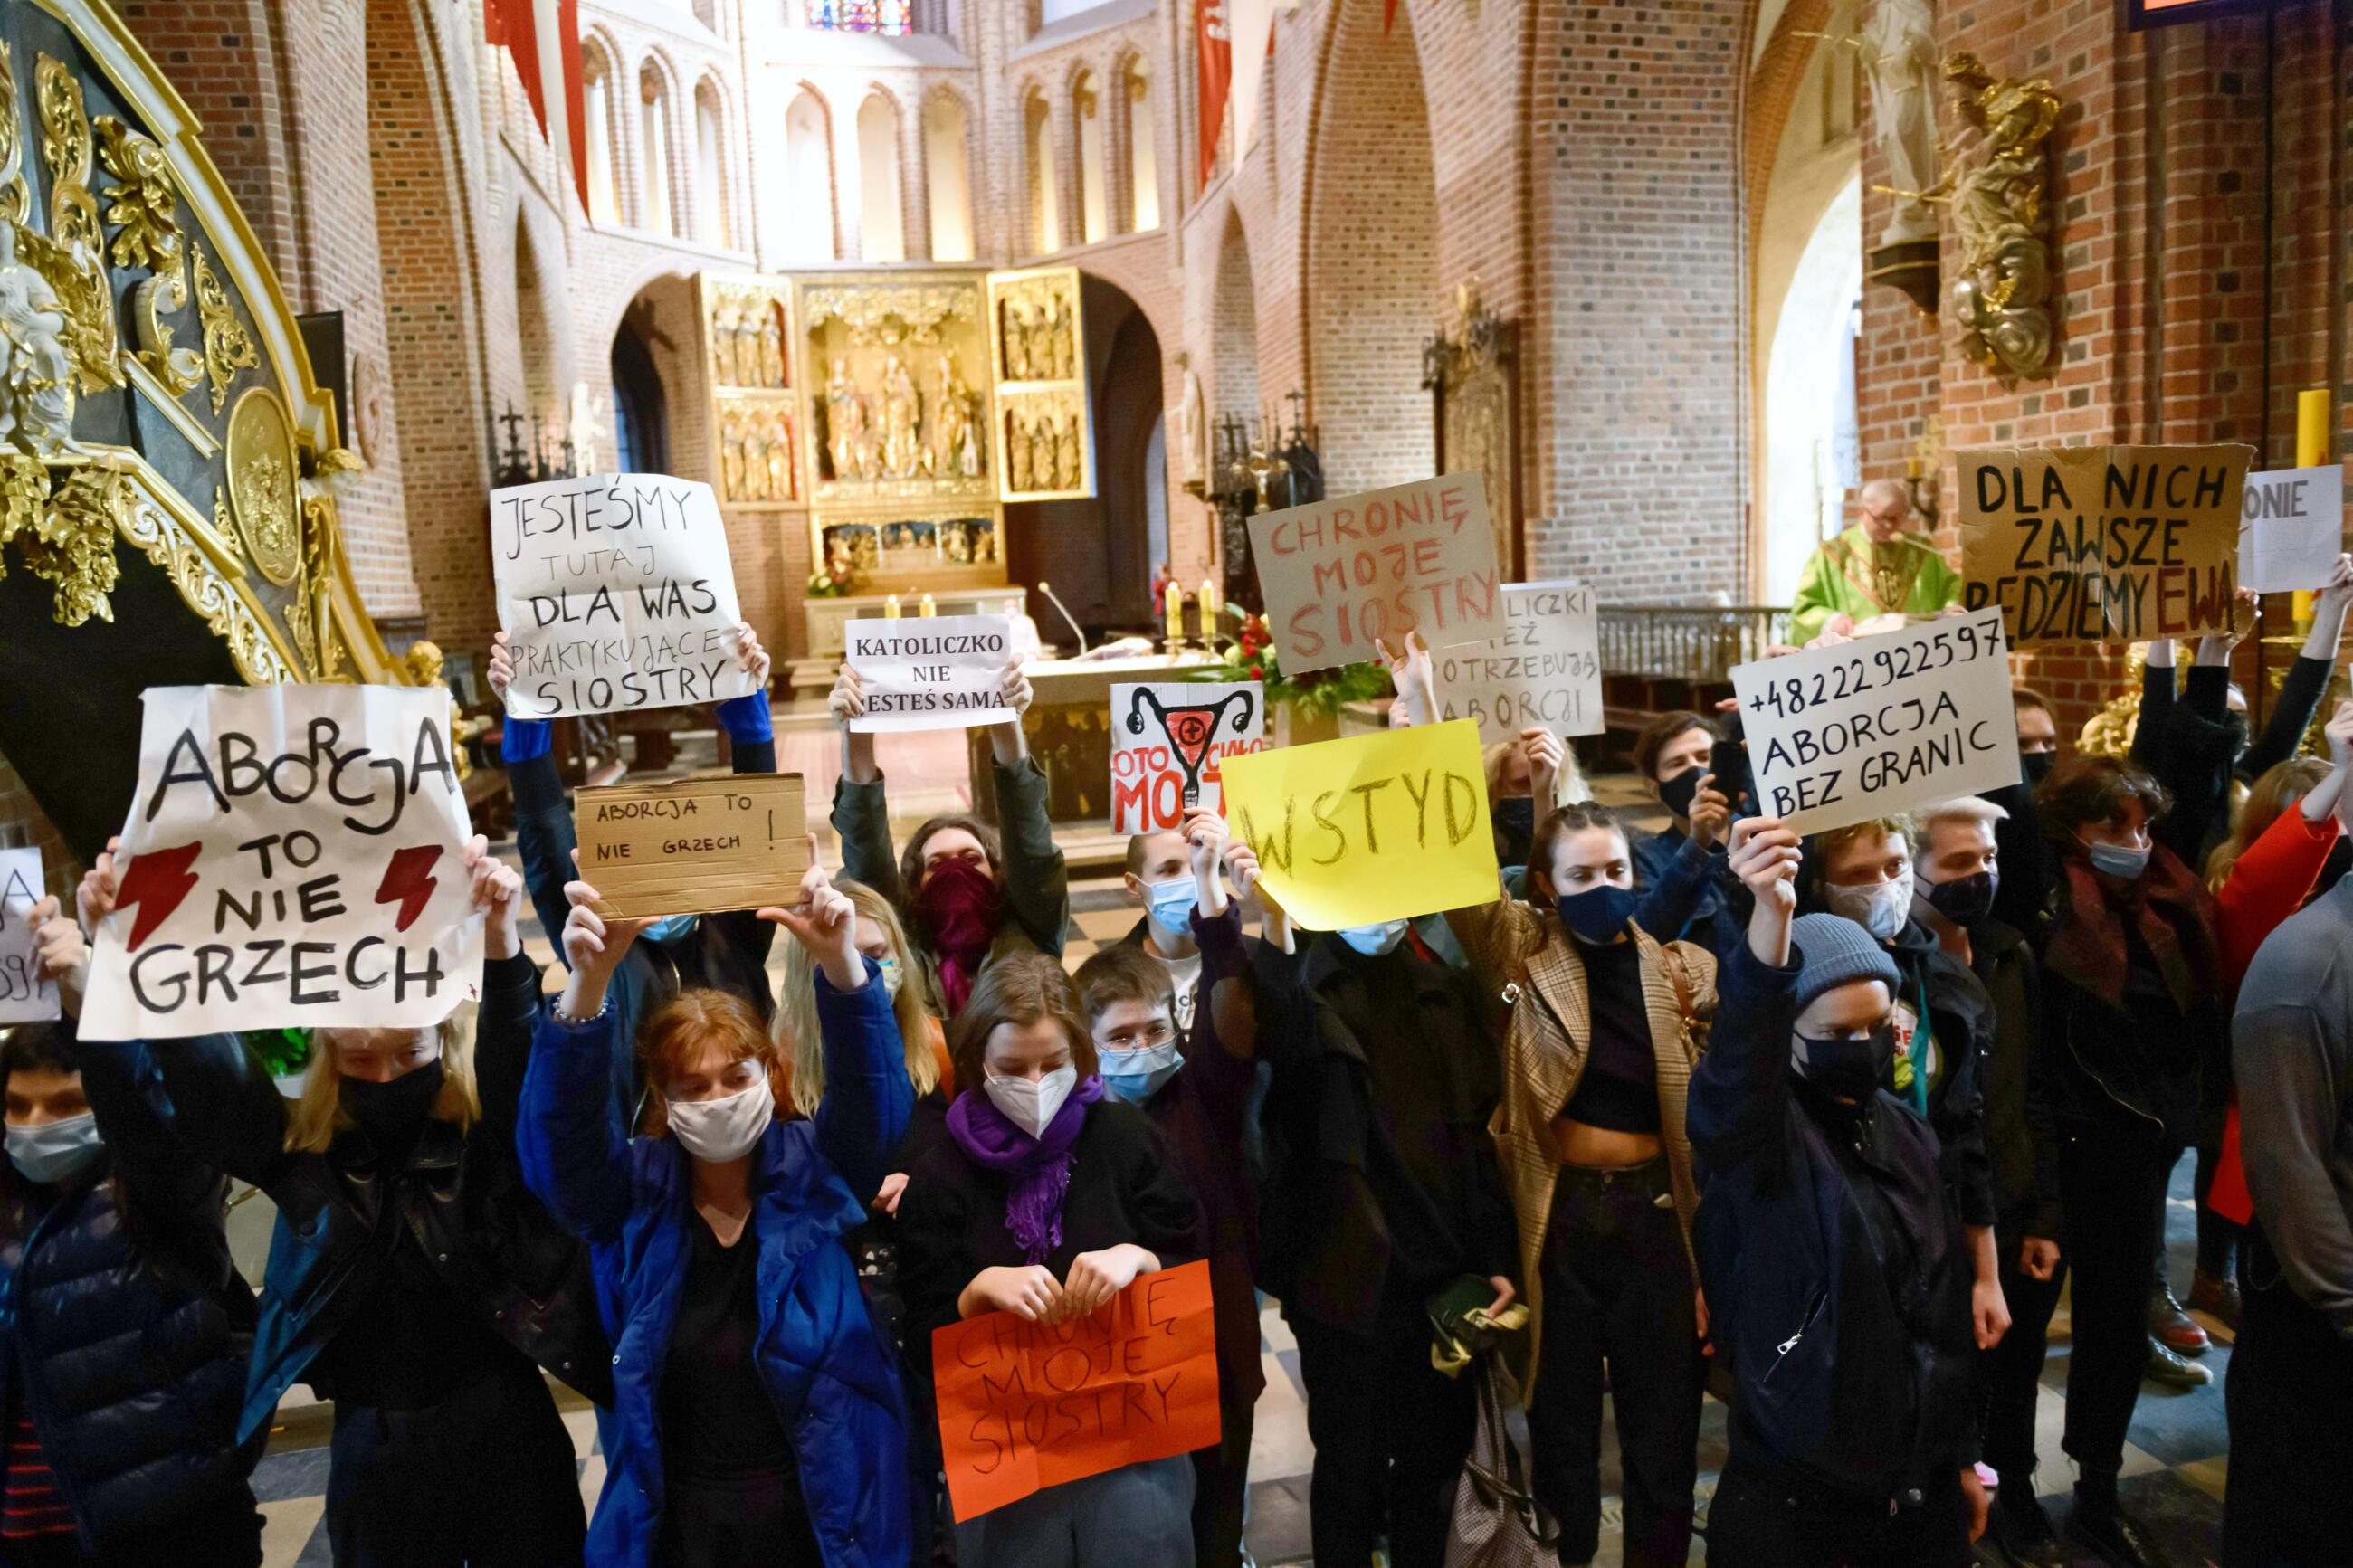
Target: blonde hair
[[2283, 785], [801, 1040], [318, 1115], [1969, 808], [1568, 785]]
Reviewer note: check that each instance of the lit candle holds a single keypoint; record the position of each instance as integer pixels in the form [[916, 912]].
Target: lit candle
[[891, 608], [2311, 452], [1208, 603], [927, 609], [1175, 605]]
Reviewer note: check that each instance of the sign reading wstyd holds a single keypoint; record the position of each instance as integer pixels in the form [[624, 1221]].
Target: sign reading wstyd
[[1341, 574], [2291, 528], [616, 592], [1542, 670], [2102, 544], [27, 995], [1167, 741], [932, 672], [1881, 724], [295, 856], [693, 846], [1375, 827]]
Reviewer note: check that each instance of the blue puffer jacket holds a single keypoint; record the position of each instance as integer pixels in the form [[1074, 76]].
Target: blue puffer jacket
[[120, 1309], [825, 1361]]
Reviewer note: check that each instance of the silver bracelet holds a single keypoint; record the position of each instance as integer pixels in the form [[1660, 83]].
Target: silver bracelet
[[555, 1010]]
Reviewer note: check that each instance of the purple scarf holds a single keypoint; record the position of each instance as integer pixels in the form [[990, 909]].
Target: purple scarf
[[1039, 1169]]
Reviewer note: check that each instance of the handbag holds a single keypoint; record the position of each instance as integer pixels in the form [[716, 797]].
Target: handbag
[[1497, 1522]]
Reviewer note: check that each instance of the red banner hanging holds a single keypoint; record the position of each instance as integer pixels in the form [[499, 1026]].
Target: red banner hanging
[[1215, 49]]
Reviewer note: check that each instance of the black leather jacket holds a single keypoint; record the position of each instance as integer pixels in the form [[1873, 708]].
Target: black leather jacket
[[461, 1194]]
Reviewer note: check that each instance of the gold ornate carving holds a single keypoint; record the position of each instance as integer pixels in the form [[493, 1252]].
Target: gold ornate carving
[[1474, 374], [1998, 184], [325, 654], [891, 314], [228, 348], [1045, 436], [179, 369], [15, 196], [147, 225], [1037, 328], [262, 475], [72, 257], [67, 537], [228, 615]]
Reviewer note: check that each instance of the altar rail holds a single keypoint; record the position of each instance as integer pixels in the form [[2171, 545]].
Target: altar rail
[[1656, 658]]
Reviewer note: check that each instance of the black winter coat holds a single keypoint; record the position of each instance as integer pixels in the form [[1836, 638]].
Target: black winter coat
[[126, 1321]]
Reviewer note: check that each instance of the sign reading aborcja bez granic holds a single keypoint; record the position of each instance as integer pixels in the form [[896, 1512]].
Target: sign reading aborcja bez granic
[[616, 592]]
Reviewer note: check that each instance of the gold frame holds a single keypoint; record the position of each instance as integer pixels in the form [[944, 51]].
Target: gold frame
[[1065, 396]]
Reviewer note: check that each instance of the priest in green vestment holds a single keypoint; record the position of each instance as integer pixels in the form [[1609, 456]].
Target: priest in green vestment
[[1875, 568]]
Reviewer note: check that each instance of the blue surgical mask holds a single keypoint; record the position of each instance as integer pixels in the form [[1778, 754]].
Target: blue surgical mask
[[671, 928], [1137, 1076], [1598, 914], [56, 1150], [893, 977], [2118, 860], [1374, 940], [1171, 902]]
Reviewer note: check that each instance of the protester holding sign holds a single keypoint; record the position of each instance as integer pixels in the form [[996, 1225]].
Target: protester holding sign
[[1597, 1059], [758, 1417], [969, 897], [1684, 863], [1160, 878], [413, 1279], [1047, 1199], [124, 1348]]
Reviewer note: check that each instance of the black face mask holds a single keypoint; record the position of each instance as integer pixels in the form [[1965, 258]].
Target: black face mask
[[2036, 766], [394, 1109], [1515, 828], [1964, 901], [1677, 793], [1848, 1069]]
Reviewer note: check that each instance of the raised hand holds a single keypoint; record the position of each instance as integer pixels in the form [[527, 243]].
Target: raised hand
[[751, 657], [846, 700], [1013, 688], [1408, 669], [64, 954], [1545, 754], [498, 896], [94, 898], [594, 946], [1205, 841], [825, 922], [1765, 857], [1711, 814], [501, 665]]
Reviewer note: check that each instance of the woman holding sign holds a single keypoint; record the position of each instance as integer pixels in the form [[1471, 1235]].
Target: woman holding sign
[[758, 1416], [1047, 1199], [1596, 1061], [412, 1279]]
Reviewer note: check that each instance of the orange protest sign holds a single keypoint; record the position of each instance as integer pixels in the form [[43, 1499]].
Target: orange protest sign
[[1024, 1406]]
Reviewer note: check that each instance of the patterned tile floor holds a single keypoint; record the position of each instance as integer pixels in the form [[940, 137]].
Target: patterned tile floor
[[2175, 1466]]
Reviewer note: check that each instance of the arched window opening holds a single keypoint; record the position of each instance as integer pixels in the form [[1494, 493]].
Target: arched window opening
[[808, 175], [1045, 219], [881, 224], [947, 179], [711, 218], [653, 140], [639, 415], [596, 95], [1094, 204], [1143, 168]]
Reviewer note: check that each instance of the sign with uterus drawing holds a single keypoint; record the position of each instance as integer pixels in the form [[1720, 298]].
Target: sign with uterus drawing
[[1167, 740]]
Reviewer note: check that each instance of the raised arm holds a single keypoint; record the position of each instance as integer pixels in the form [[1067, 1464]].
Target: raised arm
[[1741, 1086], [510, 1006], [2298, 697], [1037, 880], [862, 812], [752, 744], [545, 836]]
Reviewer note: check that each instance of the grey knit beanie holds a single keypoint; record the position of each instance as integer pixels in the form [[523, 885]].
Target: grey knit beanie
[[1834, 950]]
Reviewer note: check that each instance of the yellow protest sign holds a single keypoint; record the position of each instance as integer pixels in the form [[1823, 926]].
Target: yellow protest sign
[[1374, 827]]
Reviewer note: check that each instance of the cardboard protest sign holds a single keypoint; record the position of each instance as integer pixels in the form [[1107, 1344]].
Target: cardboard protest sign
[[27, 995], [294, 857], [693, 847], [616, 592], [1028, 1406], [1339, 574], [2290, 529], [1542, 669], [1167, 740], [2102, 544], [930, 672], [1375, 827], [1876, 726]]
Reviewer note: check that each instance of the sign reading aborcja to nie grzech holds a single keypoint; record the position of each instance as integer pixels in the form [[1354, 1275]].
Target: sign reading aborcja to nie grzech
[[616, 592]]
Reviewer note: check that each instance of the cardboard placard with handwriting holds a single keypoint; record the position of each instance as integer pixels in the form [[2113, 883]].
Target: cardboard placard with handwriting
[[2290, 529], [1542, 670], [694, 846], [1340, 574], [27, 995], [1881, 724], [1024, 1406], [1374, 827], [2102, 544]]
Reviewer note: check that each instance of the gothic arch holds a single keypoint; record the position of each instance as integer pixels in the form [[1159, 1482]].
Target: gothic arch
[[946, 125]]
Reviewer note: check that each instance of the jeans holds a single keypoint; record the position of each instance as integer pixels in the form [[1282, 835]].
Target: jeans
[[1138, 1516], [2290, 1386], [2010, 1374], [1617, 1290], [1758, 1522], [1390, 1434], [486, 1480], [1222, 1485], [2113, 1183]]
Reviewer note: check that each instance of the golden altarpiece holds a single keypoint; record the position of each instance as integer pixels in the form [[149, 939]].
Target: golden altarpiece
[[154, 393]]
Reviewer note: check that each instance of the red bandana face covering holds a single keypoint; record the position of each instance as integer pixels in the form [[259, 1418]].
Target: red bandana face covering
[[960, 904]]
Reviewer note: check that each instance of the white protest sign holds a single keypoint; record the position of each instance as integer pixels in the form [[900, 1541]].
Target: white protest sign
[[1541, 670], [930, 672], [27, 997], [1167, 740], [2291, 528], [617, 593], [294, 856], [1876, 726]]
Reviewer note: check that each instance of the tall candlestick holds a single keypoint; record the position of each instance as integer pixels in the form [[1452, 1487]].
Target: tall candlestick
[[891, 608], [927, 609], [2311, 452], [1210, 607], [1174, 596]]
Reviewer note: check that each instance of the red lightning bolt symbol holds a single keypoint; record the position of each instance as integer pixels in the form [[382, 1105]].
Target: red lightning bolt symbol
[[407, 883], [155, 880]]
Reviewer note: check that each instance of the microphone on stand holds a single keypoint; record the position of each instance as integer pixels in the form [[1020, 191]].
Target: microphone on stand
[[1048, 589]]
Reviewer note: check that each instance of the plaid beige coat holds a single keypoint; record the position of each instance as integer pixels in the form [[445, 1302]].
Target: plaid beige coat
[[1535, 966]]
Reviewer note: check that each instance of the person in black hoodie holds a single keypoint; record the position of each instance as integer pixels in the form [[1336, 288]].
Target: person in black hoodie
[[413, 1279], [1837, 1272], [123, 1327]]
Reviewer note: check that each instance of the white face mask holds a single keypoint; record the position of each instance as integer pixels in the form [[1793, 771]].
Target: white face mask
[[725, 1129], [1375, 939], [893, 977], [1030, 1104], [1880, 907]]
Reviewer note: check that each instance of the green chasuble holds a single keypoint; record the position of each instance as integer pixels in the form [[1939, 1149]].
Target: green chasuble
[[1864, 579]]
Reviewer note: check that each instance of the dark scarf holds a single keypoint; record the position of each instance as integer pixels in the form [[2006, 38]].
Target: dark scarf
[[2171, 910]]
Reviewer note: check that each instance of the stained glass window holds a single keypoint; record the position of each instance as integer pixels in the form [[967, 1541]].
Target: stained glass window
[[862, 15]]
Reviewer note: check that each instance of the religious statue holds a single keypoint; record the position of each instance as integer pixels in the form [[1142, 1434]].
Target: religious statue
[[780, 456], [730, 457], [1059, 352], [901, 417], [1017, 340], [1898, 48], [36, 386], [1070, 456], [1192, 433], [772, 348], [1997, 185], [845, 423], [954, 448], [1016, 453], [724, 320]]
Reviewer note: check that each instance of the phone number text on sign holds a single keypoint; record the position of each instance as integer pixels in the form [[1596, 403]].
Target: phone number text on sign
[[1879, 725]]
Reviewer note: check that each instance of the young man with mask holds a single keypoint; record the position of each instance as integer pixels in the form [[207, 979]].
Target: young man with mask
[[1957, 873], [1837, 1269], [1160, 879], [1678, 868]]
